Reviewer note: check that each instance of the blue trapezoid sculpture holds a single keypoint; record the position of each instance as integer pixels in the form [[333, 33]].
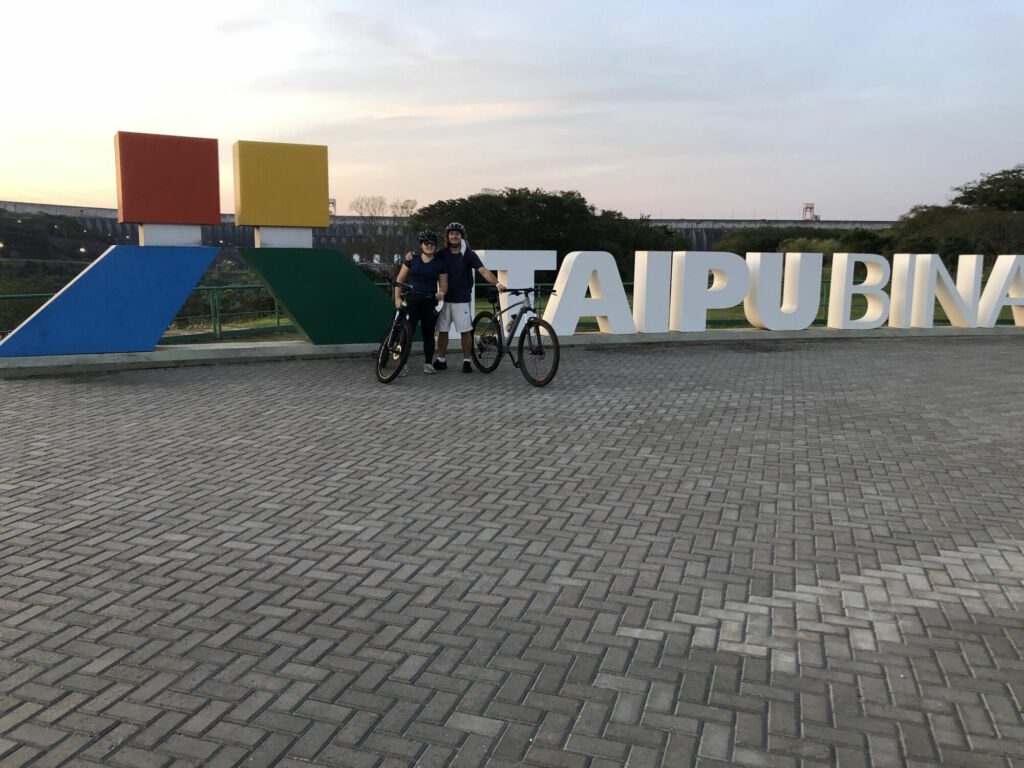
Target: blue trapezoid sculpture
[[122, 302]]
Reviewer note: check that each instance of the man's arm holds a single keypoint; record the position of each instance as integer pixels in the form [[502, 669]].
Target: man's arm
[[490, 278]]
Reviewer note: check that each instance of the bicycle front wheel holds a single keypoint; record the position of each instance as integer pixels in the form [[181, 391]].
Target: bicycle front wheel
[[538, 352], [486, 342], [394, 352]]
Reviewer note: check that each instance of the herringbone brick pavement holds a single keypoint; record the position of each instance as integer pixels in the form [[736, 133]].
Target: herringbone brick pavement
[[776, 554]]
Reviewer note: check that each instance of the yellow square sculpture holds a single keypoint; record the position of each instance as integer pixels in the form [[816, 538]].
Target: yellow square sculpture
[[281, 185]]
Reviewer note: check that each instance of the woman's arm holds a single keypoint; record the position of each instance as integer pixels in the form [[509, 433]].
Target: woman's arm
[[442, 286], [402, 274]]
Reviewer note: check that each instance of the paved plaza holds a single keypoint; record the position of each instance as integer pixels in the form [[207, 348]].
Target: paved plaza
[[757, 554]]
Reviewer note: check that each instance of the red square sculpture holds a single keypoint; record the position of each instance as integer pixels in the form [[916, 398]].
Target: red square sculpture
[[167, 179]]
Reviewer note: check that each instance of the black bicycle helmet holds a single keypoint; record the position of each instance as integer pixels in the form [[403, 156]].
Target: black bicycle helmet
[[455, 227], [428, 236]]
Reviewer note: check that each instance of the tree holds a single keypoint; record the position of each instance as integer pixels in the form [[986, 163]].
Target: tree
[[385, 226], [824, 240], [1001, 191], [986, 217], [770, 239], [369, 207], [402, 208], [951, 231], [863, 241], [826, 246], [536, 219]]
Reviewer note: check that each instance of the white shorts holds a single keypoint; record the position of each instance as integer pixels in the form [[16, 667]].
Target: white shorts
[[457, 315]]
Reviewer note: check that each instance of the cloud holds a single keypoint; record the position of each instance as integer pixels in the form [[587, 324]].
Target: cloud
[[705, 106]]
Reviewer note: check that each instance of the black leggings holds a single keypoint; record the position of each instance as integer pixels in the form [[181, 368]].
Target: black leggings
[[421, 309]]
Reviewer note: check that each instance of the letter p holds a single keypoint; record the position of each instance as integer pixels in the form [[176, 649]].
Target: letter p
[[692, 297]]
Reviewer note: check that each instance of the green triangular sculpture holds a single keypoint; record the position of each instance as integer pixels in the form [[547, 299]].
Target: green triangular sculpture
[[327, 296]]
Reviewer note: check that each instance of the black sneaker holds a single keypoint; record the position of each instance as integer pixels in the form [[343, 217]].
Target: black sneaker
[[467, 367], [440, 365]]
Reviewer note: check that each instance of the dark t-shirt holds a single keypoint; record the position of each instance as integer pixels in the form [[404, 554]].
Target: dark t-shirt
[[461, 270], [423, 275]]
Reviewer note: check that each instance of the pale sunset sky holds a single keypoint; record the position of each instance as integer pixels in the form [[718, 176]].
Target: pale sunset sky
[[723, 108]]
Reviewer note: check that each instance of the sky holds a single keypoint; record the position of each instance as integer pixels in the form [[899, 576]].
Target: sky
[[714, 109]]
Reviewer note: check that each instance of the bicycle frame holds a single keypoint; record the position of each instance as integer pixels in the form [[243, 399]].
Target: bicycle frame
[[399, 314], [402, 311], [394, 348], [517, 319]]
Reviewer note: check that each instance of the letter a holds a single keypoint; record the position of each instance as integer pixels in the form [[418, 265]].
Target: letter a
[[1005, 288], [595, 270]]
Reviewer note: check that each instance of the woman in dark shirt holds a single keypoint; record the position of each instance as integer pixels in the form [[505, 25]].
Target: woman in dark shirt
[[428, 277]]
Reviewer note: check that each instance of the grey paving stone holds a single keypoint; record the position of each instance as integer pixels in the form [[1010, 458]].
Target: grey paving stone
[[773, 554], [483, 726]]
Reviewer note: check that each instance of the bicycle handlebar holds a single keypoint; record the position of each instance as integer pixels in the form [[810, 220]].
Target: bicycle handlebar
[[520, 291]]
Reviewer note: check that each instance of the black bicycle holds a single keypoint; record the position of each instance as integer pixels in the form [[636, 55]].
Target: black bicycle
[[397, 342], [536, 355]]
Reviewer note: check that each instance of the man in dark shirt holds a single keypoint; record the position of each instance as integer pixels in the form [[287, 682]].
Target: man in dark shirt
[[457, 310]]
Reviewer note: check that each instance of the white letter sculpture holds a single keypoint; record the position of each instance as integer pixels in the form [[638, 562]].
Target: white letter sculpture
[[901, 289], [800, 292], [595, 270], [842, 290], [1005, 287], [916, 285], [691, 296], [652, 283], [517, 269]]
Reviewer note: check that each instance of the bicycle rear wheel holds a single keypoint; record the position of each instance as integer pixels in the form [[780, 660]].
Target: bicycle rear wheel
[[486, 342], [538, 352], [394, 352]]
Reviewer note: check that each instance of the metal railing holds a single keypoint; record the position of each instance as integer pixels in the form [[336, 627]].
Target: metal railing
[[189, 325], [217, 323], [14, 318], [184, 327]]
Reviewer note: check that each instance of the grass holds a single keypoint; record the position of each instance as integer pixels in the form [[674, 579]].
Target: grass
[[257, 329]]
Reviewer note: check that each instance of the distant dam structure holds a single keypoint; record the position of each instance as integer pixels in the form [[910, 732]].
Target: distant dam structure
[[347, 231]]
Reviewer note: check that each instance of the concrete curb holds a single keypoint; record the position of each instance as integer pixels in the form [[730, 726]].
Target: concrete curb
[[174, 356]]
